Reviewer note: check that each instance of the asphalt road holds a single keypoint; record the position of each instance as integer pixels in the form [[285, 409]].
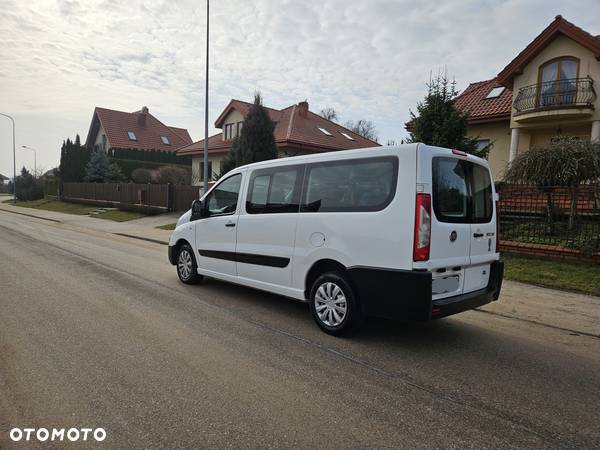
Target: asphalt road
[[97, 331]]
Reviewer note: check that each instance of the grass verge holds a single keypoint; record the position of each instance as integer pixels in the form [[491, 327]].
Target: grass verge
[[56, 206], [119, 216], [572, 276], [169, 226], [77, 209]]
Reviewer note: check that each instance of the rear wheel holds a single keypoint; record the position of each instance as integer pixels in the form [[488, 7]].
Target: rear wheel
[[186, 265], [334, 305]]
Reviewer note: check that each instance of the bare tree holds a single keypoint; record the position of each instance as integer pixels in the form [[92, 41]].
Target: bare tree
[[329, 114], [364, 127]]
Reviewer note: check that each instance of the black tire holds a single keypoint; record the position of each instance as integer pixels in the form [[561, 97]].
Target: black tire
[[187, 269], [326, 306]]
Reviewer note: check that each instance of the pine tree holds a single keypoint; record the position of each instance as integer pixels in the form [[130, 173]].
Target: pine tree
[[100, 169], [256, 141], [439, 123]]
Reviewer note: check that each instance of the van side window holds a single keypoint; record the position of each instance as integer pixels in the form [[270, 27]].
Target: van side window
[[274, 190], [462, 191], [367, 184], [223, 199]]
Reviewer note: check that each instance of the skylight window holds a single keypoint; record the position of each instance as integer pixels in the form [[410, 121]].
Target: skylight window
[[496, 92], [132, 136], [324, 131], [347, 136], [165, 140]]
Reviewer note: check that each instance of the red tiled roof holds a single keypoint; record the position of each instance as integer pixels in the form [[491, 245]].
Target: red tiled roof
[[294, 127], [147, 128], [473, 101], [558, 26]]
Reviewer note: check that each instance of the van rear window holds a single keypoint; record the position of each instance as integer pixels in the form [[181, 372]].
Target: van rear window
[[367, 184], [462, 191]]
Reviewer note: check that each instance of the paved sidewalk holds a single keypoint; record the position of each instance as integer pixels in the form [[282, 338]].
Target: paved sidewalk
[[572, 312], [143, 228]]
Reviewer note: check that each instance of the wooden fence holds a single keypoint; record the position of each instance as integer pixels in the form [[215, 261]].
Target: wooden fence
[[150, 197]]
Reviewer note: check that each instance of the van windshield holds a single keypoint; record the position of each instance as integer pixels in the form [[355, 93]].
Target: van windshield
[[462, 191]]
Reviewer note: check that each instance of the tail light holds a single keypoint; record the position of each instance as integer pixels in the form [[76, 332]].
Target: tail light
[[497, 227], [422, 227]]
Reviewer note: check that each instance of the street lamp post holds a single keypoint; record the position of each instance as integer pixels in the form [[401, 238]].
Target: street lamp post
[[14, 158], [34, 159], [205, 174]]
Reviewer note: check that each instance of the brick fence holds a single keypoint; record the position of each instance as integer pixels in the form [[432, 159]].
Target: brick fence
[[551, 221]]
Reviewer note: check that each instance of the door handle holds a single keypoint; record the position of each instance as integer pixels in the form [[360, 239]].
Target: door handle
[[477, 235], [230, 224]]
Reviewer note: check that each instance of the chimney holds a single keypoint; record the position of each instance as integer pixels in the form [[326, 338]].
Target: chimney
[[303, 109], [141, 116]]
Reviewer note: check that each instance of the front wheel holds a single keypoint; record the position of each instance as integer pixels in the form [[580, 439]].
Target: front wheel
[[186, 265], [334, 305]]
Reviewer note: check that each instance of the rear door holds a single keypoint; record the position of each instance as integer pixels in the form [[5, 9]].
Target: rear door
[[483, 227], [450, 223]]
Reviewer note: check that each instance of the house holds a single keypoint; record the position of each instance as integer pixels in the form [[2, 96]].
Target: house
[[298, 131], [548, 89], [138, 130], [4, 180]]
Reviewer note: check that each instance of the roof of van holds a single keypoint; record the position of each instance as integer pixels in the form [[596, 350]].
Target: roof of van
[[343, 154]]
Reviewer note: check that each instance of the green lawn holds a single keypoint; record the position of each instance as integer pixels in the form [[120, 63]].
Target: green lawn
[[169, 226], [573, 276], [78, 209], [54, 205], [119, 216]]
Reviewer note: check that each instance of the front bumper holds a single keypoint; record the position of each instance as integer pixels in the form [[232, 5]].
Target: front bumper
[[406, 294], [172, 254]]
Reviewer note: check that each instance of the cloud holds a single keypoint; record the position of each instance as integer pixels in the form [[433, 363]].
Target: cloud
[[367, 59]]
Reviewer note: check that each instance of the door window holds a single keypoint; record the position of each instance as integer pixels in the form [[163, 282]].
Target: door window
[[450, 192], [462, 191], [274, 191], [223, 199], [482, 194]]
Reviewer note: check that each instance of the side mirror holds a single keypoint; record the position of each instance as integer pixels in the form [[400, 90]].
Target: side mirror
[[198, 210]]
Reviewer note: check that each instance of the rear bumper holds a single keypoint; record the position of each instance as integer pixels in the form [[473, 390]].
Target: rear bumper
[[405, 294]]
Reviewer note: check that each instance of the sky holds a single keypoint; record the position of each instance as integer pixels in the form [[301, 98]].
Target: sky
[[366, 59]]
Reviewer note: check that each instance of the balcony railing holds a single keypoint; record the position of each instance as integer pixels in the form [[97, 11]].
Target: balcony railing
[[567, 93]]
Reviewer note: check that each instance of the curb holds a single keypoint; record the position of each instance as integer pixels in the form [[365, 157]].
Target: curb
[[30, 215]]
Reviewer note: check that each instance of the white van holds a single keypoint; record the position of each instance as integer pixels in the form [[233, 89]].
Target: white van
[[407, 231]]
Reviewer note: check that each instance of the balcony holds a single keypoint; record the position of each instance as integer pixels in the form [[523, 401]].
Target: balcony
[[572, 97]]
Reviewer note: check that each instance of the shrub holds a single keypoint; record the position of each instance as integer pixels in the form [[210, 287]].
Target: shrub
[[174, 175], [141, 175], [29, 187]]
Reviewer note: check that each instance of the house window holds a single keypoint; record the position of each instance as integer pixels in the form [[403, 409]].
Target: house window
[[482, 144], [495, 92], [165, 140], [347, 136], [132, 136], [558, 81], [229, 131], [210, 174], [103, 142], [239, 128], [324, 131]]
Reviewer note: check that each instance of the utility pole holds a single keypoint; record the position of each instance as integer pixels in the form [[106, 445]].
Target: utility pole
[[14, 159], [205, 174]]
